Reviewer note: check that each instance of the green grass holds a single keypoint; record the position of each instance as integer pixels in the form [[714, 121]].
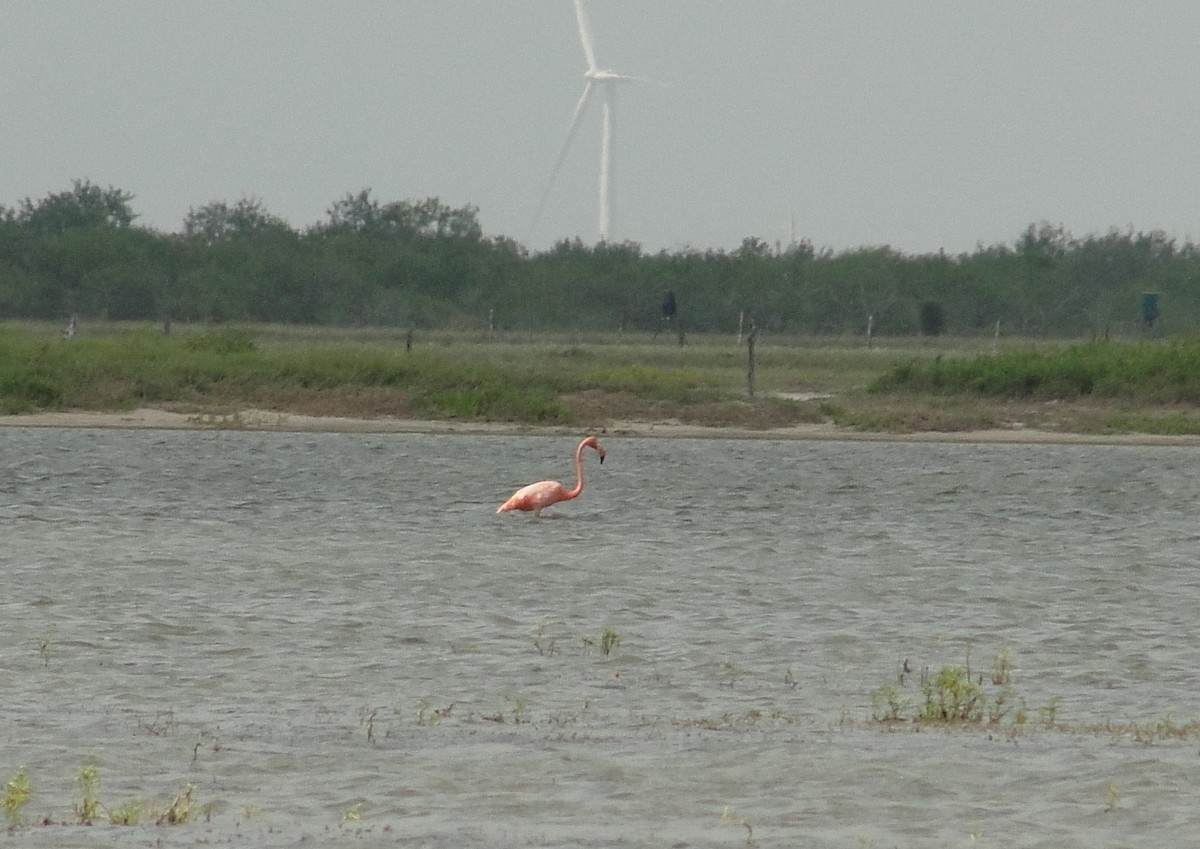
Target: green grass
[[596, 380], [956, 696], [116, 367], [16, 794], [1151, 372], [228, 368]]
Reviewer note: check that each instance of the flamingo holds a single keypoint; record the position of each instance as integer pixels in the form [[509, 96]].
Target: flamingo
[[538, 496]]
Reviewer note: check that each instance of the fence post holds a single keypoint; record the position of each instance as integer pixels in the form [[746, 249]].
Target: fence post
[[750, 357]]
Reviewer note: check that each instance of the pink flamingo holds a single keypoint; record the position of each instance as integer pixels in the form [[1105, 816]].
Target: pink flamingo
[[538, 496]]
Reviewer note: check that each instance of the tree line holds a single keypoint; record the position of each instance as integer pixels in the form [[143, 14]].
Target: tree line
[[424, 264]]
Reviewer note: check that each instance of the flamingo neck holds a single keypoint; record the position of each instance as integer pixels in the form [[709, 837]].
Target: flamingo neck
[[574, 493]]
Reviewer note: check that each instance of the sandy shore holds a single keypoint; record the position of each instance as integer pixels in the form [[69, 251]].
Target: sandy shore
[[263, 420]]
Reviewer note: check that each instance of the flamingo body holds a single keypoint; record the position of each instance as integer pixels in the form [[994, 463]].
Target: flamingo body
[[536, 497]]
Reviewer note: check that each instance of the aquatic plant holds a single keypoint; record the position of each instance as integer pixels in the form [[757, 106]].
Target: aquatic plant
[[89, 806], [887, 705], [16, 794], [366, 717], [179, 810], [730, 817], [45, 644], [1114, 797], [516, 707], [750, 719], [1049, 712], [951, 696], [425, 716], [542, 641], [201, 742], [129, 813], [1002, 668], [731, 673], [609, 640], [956, 696], [162, 724]]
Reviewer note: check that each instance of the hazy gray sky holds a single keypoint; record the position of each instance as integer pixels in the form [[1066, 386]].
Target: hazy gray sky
[[919, 124]]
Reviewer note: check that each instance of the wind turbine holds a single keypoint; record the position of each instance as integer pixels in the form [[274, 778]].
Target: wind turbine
[[606, 82]]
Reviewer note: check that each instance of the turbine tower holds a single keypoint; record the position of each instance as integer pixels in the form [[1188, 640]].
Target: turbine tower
[[606, 82]]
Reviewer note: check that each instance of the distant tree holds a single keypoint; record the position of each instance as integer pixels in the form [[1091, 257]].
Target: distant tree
[[218, 222], [361, 213], [85, 205], [354, 213]]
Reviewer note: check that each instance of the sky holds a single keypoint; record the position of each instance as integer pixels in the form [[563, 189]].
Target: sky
[[922, 125]]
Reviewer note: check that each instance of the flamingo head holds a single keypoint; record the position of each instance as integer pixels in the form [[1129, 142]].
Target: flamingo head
[[592, 442]]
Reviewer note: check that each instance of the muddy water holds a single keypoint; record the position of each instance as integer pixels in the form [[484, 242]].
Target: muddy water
[[334, 640]]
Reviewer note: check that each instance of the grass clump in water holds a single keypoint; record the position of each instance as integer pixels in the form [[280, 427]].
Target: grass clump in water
[[89, 807], [952, 697], [607, 643], [955, 696], [179, 810], [16, 794]]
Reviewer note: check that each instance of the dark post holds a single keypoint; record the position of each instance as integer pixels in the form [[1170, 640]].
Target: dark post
[[670, 315], [750, 351], [1149, 310]]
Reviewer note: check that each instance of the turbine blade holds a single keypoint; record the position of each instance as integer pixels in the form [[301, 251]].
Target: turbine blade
[[627, 78], [585, 37], [562, 154]]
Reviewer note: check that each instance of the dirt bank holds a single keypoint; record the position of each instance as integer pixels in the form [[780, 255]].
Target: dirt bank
[[262, 420]]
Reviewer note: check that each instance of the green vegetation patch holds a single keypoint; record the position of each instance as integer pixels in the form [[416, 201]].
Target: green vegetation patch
[[660, 382], [227, 367], [1168, 424], [956, 696], [1145, 371]]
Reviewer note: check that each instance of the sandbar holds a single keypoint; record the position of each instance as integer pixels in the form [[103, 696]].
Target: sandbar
[[266, 420]]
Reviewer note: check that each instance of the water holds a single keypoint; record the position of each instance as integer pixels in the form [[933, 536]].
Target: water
[[336, 642]]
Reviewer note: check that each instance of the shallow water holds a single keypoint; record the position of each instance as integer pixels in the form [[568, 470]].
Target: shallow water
[[336, 641]]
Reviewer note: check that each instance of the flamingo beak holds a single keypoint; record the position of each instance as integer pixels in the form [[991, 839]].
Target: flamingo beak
[[601, 458]]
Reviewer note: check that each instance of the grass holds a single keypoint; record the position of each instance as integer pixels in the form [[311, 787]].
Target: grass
[[88, 808], [215, 371], [16, 794], [607, 642], [1151, 372], [957, 696], [596, 381]]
